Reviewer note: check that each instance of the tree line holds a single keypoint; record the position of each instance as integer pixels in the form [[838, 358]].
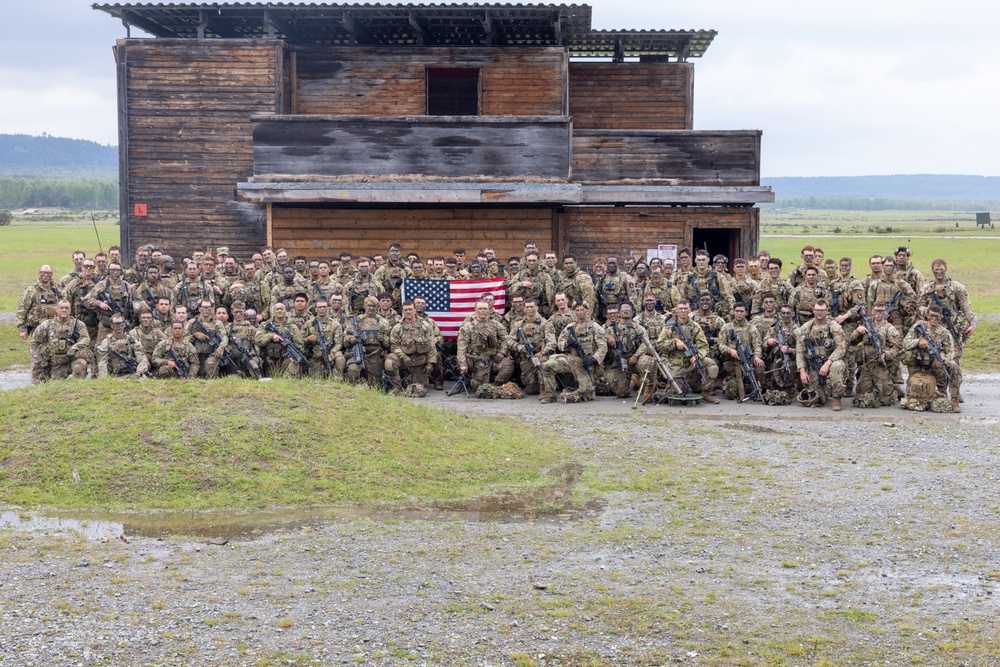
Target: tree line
[[887, 204], [78, 193]]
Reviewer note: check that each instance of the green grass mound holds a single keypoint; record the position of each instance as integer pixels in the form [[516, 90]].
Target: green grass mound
[[234, 443]]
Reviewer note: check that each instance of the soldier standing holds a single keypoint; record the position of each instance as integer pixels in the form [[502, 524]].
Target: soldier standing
[[59, 346], [38, 303], [109, 296], [372, 332], [532, 327], [413, 347], [956, 313]]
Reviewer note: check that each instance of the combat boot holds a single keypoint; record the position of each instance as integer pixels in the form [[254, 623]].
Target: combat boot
[[546, 397], [900, 394], [955, 405], [708, 397], [836, 405], [647, 394]]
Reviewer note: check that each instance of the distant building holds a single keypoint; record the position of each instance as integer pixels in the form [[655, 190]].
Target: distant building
[[321, 128]]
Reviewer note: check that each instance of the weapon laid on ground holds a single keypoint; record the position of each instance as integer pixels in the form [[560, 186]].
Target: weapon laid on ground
[[746, 364], [872, 335], [933, 348], [292, 351], [461, 384], [183, 367], [245, 357], [529, 349], [574, 342], [324, 346], [130, 365], [659, 364]]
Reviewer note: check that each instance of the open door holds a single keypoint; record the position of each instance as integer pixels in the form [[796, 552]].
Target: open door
[[724, 241]]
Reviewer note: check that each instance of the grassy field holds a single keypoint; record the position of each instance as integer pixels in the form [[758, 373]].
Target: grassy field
[[816, 221], [47, 238], [233, 443]]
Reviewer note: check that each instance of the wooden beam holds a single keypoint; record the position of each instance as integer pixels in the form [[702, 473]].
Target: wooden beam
[[272, 22], [131, 18], [418, 29]]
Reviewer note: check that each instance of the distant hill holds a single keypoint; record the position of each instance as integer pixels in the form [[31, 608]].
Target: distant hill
[[26, 156], [913, 186]]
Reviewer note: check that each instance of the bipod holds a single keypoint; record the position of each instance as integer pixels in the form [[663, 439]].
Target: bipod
[[462, 383]]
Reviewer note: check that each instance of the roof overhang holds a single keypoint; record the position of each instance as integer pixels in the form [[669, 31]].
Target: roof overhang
[[553, 194], [398, 25]]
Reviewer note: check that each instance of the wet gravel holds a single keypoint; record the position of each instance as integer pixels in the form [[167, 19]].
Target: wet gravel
[[723, 534]]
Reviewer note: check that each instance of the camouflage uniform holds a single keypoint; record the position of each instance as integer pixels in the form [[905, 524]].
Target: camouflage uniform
[[37, 304], [622, 361], [593, 340], [777, 376], [666, 293], [678, 361], [542, 288], [898, 296], [183, 350], [190, 293], [391, 276], [147, 338], [253, 293], [952, 296], [543, 343], [373, 333], [150, 294], [920, 360], [273, 352], [615, 289], [59, 348], [244, 334], [325, 290], [120, 296], [207, 359], [722, 298], [414, 350], [750, 338], [804, 298], [357, 289], [875, 377], [285, 293], [578, 286], [126, 346], [781, 288], [815, 345], [651, 321], [481, 348], [744, 291], [334, 335]]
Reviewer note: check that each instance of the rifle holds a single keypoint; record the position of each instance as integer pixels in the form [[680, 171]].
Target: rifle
[[779, 334], [184, 294], [816, 361], [292, 351], [947, 314], [933, 348], [117, 306], [130, 365], [462, 383], [358, 349], [872, 335], [324, 346], [746, 364], [834, 302], [659, 363], [892, 307], [691, 352], [574, 342], [183, 367], [215, 340], [529, 349], [244, 356], [622, 361]]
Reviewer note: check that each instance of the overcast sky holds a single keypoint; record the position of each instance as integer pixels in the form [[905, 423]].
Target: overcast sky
[[839, 89]]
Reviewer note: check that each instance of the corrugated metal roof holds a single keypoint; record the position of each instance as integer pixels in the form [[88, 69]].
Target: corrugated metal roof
[[409, 25]]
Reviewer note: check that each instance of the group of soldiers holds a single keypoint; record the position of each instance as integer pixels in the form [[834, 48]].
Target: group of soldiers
[[664, 328]]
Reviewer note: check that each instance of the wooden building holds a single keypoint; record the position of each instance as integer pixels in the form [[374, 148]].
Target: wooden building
[[322, 128]]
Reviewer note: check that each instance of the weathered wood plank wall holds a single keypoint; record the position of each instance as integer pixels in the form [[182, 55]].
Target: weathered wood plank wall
[[188, 139], [635, 96], [324, 232], [390, 81], [599, 232], [684, 158], [494, 146]]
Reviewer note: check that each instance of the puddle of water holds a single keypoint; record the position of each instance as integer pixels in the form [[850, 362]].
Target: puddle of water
[[224, 525], [15, 379]]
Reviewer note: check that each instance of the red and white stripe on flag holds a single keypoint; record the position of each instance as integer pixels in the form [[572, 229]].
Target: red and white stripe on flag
[[450, 311]]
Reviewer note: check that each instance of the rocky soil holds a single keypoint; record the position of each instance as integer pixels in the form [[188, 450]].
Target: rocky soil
[[715, 535]]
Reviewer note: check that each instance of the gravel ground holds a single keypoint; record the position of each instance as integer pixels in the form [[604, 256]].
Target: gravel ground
[[719, 535]]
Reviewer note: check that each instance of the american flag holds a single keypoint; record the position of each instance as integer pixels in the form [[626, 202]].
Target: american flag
[[450, 301]]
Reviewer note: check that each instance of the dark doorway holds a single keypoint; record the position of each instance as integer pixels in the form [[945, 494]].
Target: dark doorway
[[719, 242], [452, 91]]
